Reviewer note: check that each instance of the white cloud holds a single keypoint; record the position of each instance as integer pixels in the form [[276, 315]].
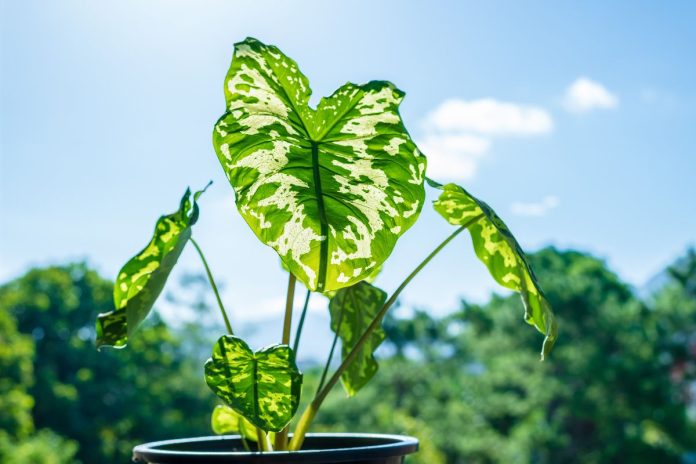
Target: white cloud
[[457, 134], [453, 156], [585, 95], [537, 209], [491, 117]]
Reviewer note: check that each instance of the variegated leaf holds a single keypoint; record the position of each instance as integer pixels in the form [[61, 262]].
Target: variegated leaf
[[352, 310], [496, 247], [264, 387], [142, 279], [331, 189], [226, 420]]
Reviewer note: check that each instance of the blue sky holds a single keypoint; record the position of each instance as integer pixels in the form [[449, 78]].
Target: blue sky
[[574, 120]]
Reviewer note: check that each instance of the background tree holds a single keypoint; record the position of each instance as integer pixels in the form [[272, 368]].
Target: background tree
[[18, 441], [605, 395], [617, 387], [675, 314], [110, 400]]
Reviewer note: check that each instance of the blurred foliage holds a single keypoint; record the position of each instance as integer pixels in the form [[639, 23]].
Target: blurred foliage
[[615, 388], [16, 354], [106, 401], [44, 447], [618, 387], [18, 442]]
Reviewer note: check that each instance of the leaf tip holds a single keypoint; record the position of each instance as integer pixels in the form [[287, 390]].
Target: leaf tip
[[433, 183]]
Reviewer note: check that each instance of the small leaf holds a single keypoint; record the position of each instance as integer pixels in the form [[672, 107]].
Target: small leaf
[[226, 420], [331, 189], [264, 387], [352, 310], [142, 279], [496, 247]]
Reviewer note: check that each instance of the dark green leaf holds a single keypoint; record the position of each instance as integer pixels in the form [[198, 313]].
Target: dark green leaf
[[331, 189], [352, 310], [496, 247], [264, 387], [142, 279]]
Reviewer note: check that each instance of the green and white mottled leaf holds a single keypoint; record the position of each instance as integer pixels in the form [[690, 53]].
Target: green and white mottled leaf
[[496, 247], [330, 189], [142, 279], [264, 387], [352, 310], [226, 420]]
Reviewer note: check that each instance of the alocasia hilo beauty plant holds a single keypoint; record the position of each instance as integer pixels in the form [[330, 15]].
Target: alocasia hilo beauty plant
[[331, 190]]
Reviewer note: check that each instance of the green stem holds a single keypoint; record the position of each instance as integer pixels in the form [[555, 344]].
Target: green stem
[[212, 284], [311, 410], [261, 439], [245, 443], [331, 352], [287, 323], [298, 333], [281, 438]]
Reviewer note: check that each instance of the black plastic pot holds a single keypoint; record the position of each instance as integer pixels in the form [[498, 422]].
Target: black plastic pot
[[319, 448]]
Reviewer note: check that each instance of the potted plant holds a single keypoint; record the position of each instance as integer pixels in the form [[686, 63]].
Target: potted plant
[[331, 189]]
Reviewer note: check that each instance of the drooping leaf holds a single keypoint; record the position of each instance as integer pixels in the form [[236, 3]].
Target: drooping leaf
[[496, 247], [264, 387], [142, 279], [226, 420], [352, 310], [330, 189]]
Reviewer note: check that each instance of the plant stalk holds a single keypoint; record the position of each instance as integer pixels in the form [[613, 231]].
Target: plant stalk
[[212, 284], [281, 438], [259, 433], [331, 353], [311, 410], [298, 333], [245, 443], [261, 440], [287, 323]]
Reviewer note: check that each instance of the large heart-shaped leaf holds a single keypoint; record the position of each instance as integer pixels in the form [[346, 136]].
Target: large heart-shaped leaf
[[352, 310], [331, 189], [142, 279], [264, 387], [496, 247]]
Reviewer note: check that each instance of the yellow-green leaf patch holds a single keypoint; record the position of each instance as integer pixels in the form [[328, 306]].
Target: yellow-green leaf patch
[[226, 420]]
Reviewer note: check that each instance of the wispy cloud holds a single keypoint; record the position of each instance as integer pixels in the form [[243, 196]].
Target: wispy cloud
[[535, 209], [453, 156], [585, 95], [490, 117], [458, 133]]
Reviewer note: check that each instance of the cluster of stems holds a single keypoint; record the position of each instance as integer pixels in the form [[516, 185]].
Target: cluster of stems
[[281, 442]]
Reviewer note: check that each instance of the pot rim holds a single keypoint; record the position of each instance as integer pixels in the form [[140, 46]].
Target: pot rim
[[386, 445]]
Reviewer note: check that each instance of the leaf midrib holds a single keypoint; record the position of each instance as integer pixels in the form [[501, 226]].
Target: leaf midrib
[[324, 224], [255, 384], [315, 141], [339, 117]]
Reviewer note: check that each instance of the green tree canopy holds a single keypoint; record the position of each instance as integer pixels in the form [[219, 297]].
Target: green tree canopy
[[110, 400], [608, 393], [617, 387]]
